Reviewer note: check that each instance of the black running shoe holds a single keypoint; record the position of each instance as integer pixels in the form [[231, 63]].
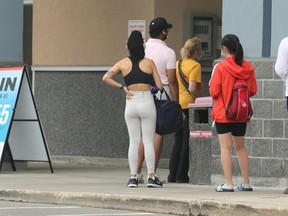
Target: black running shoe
[[132, 182], [154, 182]]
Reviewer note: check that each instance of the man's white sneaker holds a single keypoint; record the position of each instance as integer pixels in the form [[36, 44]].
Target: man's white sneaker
[[163, 181], [140, 178]]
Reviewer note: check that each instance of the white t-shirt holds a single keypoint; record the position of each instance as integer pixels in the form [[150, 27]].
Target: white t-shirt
[[281, 66], [163, 56]]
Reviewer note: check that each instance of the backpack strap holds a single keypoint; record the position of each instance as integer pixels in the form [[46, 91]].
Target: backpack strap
[[223, 99], [182, 76]]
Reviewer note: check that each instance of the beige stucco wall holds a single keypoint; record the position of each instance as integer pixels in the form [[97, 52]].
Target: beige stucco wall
[[94, 32]]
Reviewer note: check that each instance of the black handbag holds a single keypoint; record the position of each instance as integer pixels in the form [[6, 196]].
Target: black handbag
[[169, 115]]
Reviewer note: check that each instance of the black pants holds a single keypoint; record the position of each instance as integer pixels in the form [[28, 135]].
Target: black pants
[[179, 160]]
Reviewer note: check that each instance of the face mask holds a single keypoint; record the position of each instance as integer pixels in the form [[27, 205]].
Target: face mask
[[199, 57]]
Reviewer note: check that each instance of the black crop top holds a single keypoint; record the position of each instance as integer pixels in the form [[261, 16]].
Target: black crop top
[[136, 75]]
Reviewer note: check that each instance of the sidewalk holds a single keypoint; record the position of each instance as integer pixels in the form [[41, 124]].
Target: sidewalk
[[105, 187]]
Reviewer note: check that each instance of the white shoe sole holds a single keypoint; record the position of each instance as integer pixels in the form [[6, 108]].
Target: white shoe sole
[[132, 185], [154, 186]]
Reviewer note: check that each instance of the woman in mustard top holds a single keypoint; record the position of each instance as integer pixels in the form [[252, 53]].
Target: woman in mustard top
[[189, 89]]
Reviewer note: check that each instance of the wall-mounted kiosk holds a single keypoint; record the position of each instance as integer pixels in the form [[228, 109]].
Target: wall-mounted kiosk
[[21, 133], [203, 26]]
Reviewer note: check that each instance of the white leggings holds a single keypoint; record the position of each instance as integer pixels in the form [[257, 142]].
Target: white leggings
[[140, 116]]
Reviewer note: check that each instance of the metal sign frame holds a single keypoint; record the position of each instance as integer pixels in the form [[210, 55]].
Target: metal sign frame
[[21, 132]]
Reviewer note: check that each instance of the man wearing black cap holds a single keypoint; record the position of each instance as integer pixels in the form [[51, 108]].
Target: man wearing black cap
[[165, 60]]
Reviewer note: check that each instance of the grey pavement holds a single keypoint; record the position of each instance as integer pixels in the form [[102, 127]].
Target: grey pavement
[[106, 187]]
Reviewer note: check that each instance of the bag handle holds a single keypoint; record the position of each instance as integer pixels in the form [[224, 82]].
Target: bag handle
[[167, 95]]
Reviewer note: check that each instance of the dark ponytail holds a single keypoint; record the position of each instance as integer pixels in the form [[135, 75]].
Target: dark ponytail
[[232, 43], [135, 46]]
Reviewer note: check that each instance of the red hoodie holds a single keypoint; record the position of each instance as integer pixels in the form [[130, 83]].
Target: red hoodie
[[221, 83]]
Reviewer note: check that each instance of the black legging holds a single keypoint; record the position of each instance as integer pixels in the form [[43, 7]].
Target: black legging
[[179, 160]]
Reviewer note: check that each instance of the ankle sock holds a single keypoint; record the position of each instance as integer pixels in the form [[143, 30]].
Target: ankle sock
[[227, 186], [246, 185]]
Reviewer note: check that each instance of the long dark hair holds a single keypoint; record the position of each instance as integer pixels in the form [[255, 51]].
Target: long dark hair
[[135, 45], [232, 43]]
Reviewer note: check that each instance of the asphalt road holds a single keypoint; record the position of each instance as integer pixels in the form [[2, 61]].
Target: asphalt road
[[36, 209]]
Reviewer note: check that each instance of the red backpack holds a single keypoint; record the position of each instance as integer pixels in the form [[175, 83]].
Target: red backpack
[[239, 107]]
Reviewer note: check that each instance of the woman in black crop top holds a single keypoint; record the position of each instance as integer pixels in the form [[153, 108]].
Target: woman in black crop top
[[140, 112]]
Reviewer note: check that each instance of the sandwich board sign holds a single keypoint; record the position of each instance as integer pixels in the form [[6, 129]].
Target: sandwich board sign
[[21, 133]]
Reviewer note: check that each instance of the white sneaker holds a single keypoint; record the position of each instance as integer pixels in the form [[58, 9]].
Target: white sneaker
[[163, 181], [140, 178], [224, 188]]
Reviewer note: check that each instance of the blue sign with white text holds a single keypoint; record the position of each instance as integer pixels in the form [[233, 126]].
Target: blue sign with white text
[[10, 79]]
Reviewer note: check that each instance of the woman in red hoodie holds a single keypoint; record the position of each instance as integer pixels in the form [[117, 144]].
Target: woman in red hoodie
[[231, 131]]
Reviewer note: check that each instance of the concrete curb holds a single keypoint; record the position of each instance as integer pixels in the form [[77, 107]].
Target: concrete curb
[[139, 203]]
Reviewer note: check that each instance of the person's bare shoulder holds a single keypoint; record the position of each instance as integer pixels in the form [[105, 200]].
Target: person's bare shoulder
[[149, 61], [125, 65], [124, 61]]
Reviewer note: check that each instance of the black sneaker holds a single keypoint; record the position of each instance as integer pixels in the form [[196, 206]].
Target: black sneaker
[[132, 182], [154, 182]]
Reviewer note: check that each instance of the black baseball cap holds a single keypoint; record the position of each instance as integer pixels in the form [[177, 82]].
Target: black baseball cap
[[159, 24]]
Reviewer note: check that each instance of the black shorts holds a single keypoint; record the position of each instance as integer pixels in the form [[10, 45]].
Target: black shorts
[[236, 129]]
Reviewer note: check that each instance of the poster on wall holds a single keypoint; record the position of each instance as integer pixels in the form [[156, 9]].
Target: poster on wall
[[21, 133], [139, 25]]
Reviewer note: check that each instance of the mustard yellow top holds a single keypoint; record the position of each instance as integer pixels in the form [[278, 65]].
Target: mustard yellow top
[[192, 72]]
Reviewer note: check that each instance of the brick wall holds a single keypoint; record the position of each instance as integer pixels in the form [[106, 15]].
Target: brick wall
[[266, 137]]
